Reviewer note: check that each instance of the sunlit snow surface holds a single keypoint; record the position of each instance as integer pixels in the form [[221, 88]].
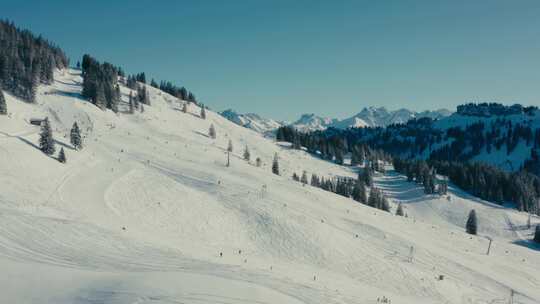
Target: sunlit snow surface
[[142, 213]]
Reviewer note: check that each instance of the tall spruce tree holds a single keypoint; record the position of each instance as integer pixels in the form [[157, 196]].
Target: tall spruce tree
[[115, 100], [75, 136], [3, 105], [203, 112], [247, 155], [304, 179], [385, 205], [275, 165], [399, 211], [315, 182], [62, 156], [185, 107], [46, 140], [131, 103], [359, 192], [212, 132], [472, 223], [374, 198]]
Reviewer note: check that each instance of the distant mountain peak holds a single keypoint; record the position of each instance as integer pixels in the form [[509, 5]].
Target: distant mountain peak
[[252, 121], [370, 116]]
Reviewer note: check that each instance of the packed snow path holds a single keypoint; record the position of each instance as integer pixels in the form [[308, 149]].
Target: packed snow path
[[148, 212]]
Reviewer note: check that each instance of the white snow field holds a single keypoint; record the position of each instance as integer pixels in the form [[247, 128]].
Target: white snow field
[[142, 213]]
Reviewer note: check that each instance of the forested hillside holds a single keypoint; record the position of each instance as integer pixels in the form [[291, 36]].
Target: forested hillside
[[488, 149], [26, 61]]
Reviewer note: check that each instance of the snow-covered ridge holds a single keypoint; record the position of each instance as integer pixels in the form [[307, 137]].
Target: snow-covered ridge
[[312, 122], [368, 117], [252, 121]]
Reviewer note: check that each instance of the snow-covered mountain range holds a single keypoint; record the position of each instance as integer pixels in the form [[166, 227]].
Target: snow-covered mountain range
[[252, 121], [368, 117]]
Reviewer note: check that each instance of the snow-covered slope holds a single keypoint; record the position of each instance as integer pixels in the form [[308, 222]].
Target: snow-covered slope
[[142, 213]]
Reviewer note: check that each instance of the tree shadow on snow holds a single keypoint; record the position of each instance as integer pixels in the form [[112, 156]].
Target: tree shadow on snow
[[201, 133], [76, 95], [63, 144], [528, 243], [26, 141]]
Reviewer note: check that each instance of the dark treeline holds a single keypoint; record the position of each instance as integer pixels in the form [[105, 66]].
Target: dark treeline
[[486, 109], [351, 188], [332, 146], [26, 61], [419, 137], [481, 180], [178, 92], [448, 152], [100, 83], [423, 173]]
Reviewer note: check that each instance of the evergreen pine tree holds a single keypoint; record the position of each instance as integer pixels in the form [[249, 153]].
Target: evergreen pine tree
[[247, 155], [46, 141], [537, 234], [275, 165], [339, 156], [75, 136], [212, 132], [203, 112], [3, 105], [385, 206], [315, 181], [304, 179], [399, 210], [115, 99], [62, 156], [258, 162], [131, 103], [191, 97], [295, 177], [373, 200], [99, 99], [443, 187], [472, 223], [359, 192], [230, 146], [184, 107], [366, 176], [354, 158]]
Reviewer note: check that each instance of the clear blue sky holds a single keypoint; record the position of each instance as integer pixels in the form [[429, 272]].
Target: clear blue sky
[[284, 58]]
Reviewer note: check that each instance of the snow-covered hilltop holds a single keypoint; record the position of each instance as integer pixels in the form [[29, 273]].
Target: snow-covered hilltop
[[368, 117], [252, 121], [381, 117], [148, 212], [312, 122]]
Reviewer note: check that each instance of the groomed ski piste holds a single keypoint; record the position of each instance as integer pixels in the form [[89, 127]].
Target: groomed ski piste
[[148, 212]]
